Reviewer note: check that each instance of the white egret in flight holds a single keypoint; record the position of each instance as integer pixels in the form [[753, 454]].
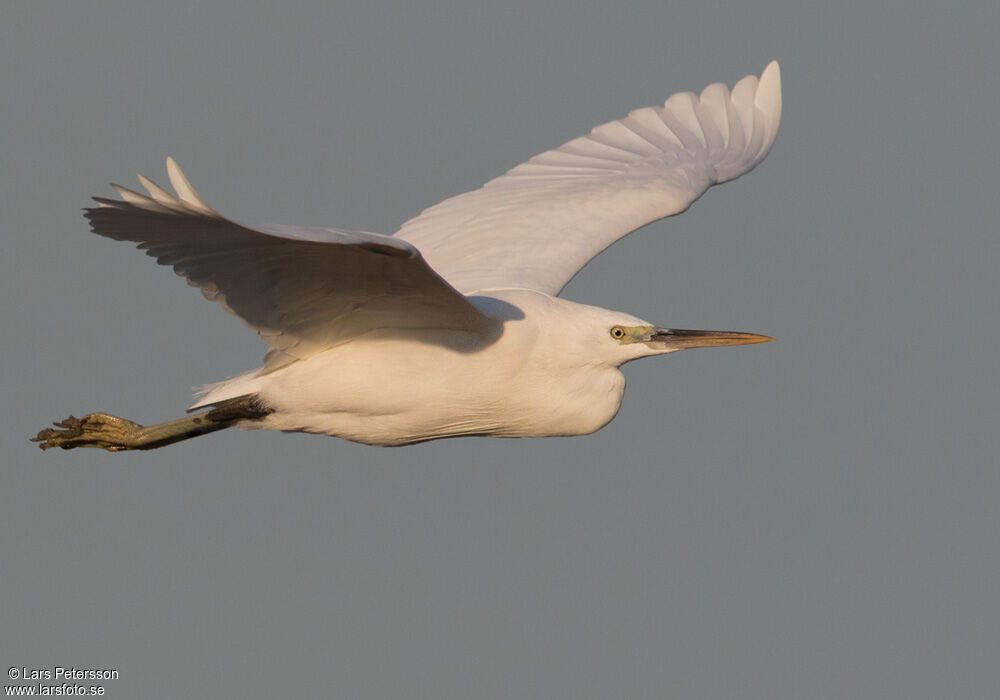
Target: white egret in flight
[[453, 325]]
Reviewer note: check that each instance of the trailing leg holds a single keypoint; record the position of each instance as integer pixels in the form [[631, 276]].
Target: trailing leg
[[118, 434]]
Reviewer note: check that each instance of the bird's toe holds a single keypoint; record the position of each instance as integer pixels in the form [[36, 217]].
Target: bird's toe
[[93, 430]]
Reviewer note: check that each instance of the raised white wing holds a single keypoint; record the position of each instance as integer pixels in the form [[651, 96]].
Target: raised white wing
[[536, 226], [302, 289]]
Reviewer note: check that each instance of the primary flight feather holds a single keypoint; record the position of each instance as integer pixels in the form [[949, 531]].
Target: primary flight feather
[[451, 326]]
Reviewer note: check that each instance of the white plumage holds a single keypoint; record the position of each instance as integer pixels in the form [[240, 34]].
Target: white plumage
[[536, 226], [452, 326]]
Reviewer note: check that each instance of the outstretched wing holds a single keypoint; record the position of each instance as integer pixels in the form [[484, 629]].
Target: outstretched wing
[[302, 289], [536, 226]]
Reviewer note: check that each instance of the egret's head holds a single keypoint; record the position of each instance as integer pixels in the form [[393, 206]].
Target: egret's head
[[580, 334], [629, 340]]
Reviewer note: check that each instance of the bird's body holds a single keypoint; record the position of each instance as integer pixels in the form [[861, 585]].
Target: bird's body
[[545, 374], [453, 326]]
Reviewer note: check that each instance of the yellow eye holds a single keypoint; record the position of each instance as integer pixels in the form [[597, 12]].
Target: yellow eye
[[617, 332]]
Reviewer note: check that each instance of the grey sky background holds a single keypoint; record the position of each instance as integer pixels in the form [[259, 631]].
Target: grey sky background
[[815, 518]]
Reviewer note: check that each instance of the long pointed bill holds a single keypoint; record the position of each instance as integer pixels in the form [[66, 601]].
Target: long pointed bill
[[678, 339]]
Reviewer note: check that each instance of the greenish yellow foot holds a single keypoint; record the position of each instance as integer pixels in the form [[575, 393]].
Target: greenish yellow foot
[[101, 430]]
